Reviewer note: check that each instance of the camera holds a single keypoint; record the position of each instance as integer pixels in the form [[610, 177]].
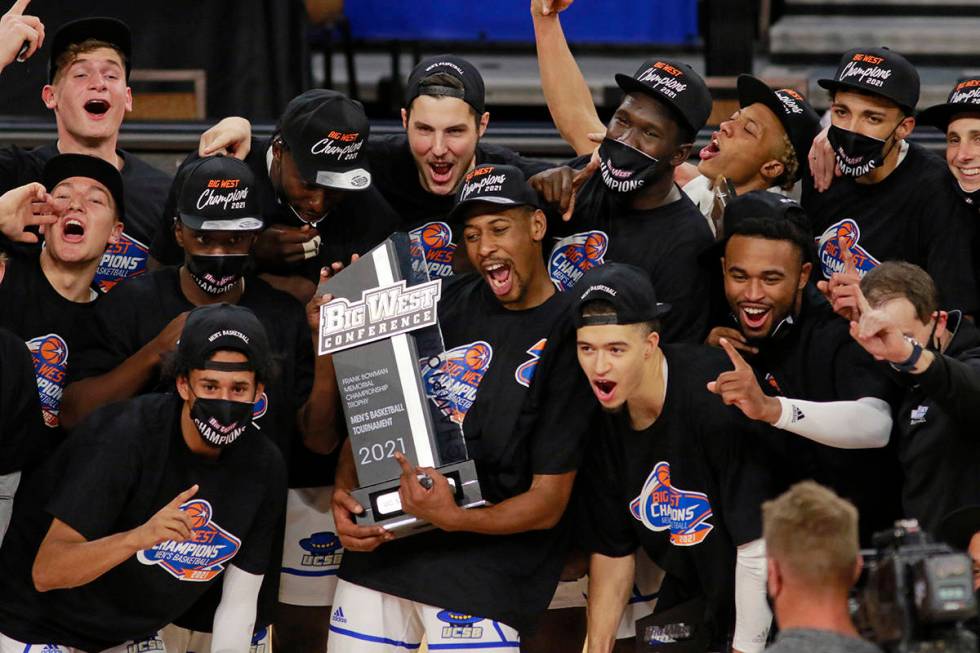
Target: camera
[[915, 594]]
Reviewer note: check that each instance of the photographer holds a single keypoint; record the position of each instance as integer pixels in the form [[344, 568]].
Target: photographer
[[811, 538]]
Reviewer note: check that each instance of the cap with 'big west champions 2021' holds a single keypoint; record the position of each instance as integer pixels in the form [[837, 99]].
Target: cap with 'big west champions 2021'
[[65, 166], [879, 71], [801, 122], [326, 134], [217, 193], [964, 98], [216, 327], [473, 91], [502, 185], [626, 288], [674, 83], [108, 30]]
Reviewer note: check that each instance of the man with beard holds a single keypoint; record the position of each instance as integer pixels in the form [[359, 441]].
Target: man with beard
[[802, 372], [936, 355], [127, 338], [483, 576], [893, 200], [150, 504], [670, 470], [633, 212], [761, 146]]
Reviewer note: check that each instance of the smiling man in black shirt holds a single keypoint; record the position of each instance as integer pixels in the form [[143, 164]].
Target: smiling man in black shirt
[[153, 499], [801, 372], [483, 577], [893, 200], [632, 211], [671, 470]]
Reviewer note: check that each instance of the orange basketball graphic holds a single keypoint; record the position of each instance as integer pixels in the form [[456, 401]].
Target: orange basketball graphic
[[846, 237], [435, 235], [199, 512], [477, 356], [52, 350], [663, 475], [595, 246]]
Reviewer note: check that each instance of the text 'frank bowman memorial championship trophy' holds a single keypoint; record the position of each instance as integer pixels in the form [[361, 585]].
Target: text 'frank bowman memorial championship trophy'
[[382, 330]]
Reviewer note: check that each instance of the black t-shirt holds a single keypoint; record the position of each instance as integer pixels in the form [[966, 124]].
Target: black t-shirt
[[688, 488], [423, 213], [529, 416], [912, 215], [361, 220], [21, 434], [937, 438], [119, 468], [138, 310], [814, 358], [146, 190], [49, 324], [666, 242]]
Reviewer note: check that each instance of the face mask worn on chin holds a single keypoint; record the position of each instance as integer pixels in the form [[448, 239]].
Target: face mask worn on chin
[[857, 154], [625, 169], [220, 421], [216, 274]]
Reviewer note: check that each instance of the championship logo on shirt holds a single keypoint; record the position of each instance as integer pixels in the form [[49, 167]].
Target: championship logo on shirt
[[436, 241], [662, 507], [121, 260], [260, 407], [574, 256], [152, 643], [200, 558], [260, 639], [323, 549], [459, 625], [50, 354], [837, 239], [452, 378], [525, 373]]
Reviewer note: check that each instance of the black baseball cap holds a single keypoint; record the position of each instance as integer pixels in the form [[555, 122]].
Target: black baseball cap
[[958, 527], [801, 122], [674, 83], [326, 133], [879, 71], [64, 166], [501, 185], [473, 92], [762, 204], [964, 98], [217, 193], [626, 287], [110, 30], [215, 327]]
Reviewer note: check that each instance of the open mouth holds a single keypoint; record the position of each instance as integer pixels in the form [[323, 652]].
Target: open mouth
[[754, 317], [604, 389], [500, 277], [441, 171], [711, 150], [96, 107], [73, 230]]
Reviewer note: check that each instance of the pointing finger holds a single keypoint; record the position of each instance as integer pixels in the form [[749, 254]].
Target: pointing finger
[[733, 354]]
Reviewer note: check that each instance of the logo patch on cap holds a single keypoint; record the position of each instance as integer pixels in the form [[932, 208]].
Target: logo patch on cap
[[870, 75], [486, 184], [338, 146], [790, 100], [966, 92], [444, 64]]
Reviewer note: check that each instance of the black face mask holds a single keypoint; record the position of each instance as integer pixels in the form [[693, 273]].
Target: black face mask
[[221, 421], [625, 169], [857, 154], [216, 274]]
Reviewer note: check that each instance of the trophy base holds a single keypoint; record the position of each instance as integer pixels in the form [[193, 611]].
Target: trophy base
[[383, 506]]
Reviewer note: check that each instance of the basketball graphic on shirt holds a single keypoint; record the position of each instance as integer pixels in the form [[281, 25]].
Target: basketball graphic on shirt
[[50, 355], [451, 379], [436, 242], [575, 255], [199, 512], [203, 555], [477, 356], [660, 506], [844, 236]]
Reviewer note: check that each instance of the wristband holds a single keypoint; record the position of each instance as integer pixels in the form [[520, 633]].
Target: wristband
[[909, 363]]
